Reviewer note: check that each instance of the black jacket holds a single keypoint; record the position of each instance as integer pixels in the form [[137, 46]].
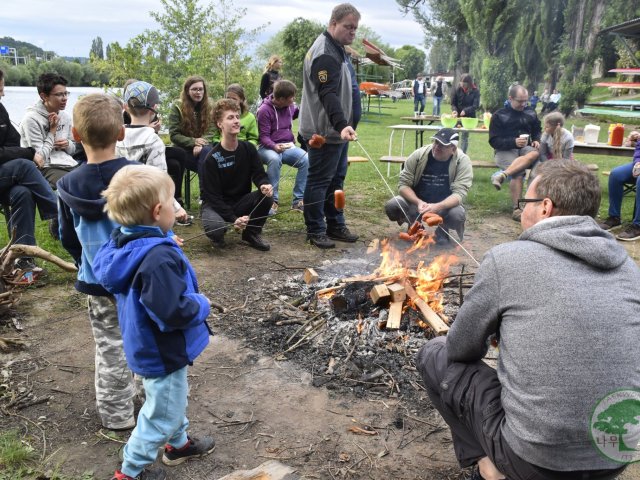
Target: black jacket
[[10, 148], [508, 124], [468, 101]]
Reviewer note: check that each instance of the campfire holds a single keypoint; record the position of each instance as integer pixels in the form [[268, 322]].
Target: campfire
[[398, 287]]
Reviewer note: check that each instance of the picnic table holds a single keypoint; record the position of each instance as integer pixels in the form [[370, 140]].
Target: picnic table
[[602, 149], [419, 131]]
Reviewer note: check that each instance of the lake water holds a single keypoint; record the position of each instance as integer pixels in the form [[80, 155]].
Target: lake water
[[17, 99]]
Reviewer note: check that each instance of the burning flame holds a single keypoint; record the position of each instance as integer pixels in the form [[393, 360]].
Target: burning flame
[[427, 279]]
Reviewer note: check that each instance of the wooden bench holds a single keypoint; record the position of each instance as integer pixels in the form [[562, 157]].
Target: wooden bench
[[474, 163], [357, 160]]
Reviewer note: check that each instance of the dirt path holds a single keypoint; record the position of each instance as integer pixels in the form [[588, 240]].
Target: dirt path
[[257, 407]]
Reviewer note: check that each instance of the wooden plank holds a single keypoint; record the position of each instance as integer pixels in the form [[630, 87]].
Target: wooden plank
[[392, 159], [432, 318], [483, 164], [355, 159], [310, 276], [395, 315], [271, 470], [380, 294], [397, 292]]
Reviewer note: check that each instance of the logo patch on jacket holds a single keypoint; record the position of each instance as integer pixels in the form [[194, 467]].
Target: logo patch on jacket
[[323, 76]]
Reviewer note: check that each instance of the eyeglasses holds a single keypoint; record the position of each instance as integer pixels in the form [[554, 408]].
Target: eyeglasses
[[521, 101], [522, 202], [196, 90], [61, 94]]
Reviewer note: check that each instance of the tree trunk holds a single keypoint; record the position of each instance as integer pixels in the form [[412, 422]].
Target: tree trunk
[[592, 35]]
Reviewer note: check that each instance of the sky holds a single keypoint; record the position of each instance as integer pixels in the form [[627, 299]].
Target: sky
[[67, 27]]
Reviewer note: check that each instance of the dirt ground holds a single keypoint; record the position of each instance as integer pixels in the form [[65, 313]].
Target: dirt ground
[[258, 405]]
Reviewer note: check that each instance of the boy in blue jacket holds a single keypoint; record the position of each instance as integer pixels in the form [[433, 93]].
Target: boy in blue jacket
[[84, 228], [162, 316]]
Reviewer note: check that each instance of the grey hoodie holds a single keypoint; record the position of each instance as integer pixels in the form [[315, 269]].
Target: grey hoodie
[[34, 132], [565, 298]]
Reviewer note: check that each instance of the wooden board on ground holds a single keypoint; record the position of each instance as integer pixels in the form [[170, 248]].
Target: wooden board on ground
[[310, 276], [271, 470], [395, 315]]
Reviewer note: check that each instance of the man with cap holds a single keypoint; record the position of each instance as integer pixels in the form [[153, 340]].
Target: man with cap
[[435, 179]]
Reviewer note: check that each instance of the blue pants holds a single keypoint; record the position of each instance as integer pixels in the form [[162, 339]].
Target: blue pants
[[24, 188], [619, 176], [436, 105], [327, 171], [162, 419], [419, 100], [294, 157]]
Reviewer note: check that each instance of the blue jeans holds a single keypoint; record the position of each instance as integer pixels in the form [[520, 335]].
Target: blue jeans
[[619, 176], [24, 188], [327, 171], [294, 157], [162, 419], [419, 100], [436, 105]]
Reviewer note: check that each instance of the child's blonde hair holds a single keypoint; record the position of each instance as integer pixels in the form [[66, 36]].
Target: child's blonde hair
[[97, 119], [555, 119], [133, 193]]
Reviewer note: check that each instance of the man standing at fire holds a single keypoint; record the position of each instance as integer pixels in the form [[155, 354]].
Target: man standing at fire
[[564, 290], [330, 107], [435, 179]]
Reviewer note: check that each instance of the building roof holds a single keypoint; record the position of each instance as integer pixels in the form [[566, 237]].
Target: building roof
[[629, 29]]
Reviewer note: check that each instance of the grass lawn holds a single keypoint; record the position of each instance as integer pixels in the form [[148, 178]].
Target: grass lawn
[[367, 191]]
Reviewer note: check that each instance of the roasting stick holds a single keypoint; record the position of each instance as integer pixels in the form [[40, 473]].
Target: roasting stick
[[405, 213]]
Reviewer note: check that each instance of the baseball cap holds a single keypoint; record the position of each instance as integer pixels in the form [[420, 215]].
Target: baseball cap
[[142, 95], [446, 137]]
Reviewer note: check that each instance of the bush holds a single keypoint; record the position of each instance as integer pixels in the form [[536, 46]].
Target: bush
[[497, 74]]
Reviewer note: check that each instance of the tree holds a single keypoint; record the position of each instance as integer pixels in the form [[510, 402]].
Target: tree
[[297, 38], [413, 60], [190, 39], [97, 51], [616, 417]]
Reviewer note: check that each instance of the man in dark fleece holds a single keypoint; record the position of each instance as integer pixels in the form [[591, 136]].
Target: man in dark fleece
[[553, 298]]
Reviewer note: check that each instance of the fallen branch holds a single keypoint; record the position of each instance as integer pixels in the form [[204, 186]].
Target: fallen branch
[[19, 250]]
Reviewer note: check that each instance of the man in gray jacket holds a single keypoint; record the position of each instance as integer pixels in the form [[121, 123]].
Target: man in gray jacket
[[330, 107], [563, 302], [435, 179]]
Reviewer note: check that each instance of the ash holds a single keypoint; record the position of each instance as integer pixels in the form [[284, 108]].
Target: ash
[[342, 340]]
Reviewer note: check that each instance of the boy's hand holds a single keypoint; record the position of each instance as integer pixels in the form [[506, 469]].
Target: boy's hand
[[156, 125], [53, 122], [61, 144], [182, 215], [196, 150], [241, 223], [178, 240], [38, 159], [201, 142], [266, 190]]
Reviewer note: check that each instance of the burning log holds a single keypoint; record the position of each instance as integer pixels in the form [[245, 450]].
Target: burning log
[[432, 318], [380, 294], [397, 291]]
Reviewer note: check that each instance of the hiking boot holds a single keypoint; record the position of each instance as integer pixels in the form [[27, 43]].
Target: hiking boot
[[516, 214], [194, 448], [630, 233], [610, 223], [341, 234], [255, 240], [298, 206], [498, 178], [30, 272], [148, 473], [185, 222], [320, 240], [274, 209]]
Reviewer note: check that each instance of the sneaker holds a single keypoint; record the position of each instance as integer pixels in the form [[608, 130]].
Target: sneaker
[[630, 233], [274, 209], [186, 222], [28, 271], [255, 240], [54, 228], [498, 178], [516, 214], [298, 206], [320, 240], [341, 234], [148, 473], [194, 448], [610, 223]]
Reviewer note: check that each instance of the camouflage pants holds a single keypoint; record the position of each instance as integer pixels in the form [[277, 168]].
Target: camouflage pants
[[114, 382]]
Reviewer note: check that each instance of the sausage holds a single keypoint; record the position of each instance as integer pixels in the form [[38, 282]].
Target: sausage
[[339, 200], [405, 236], [433, 221], [316, 141], [413, 229], [428, 215]]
